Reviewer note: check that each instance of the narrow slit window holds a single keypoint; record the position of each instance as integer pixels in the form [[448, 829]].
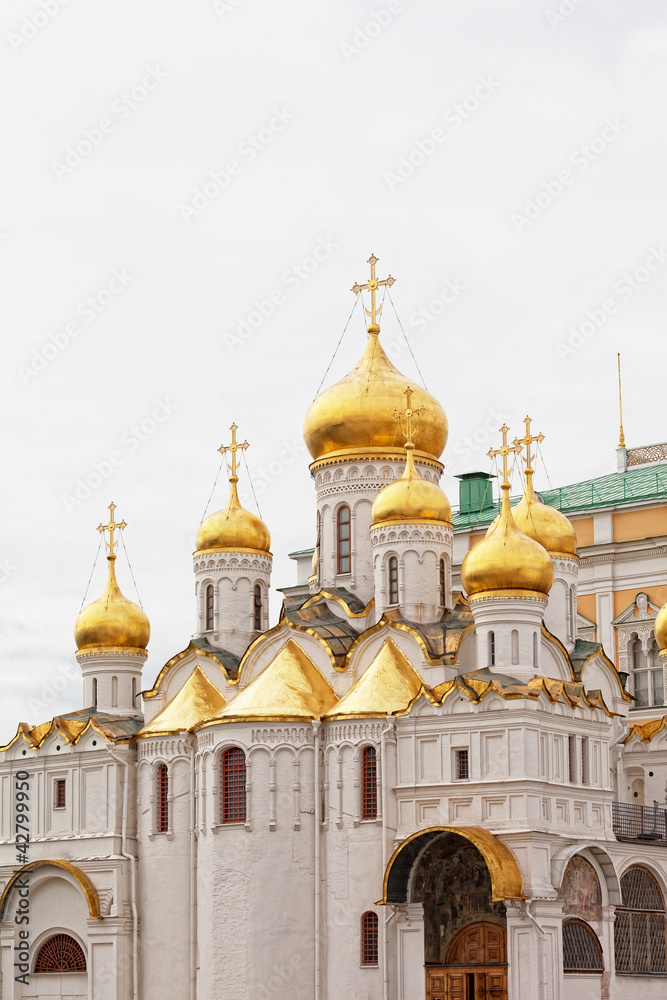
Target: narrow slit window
[[232, 786], [343, 539], [59, 793], [442, 583], [462, 764], [94, 692], [492, 649], [114, 692], [258, 608], [515, 646], [369, 789], [209, 607], [162, 799], [572, 758], [393, 580], [585, 775], [369, 938]]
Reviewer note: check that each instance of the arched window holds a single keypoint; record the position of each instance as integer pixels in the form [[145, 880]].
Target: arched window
[[162, 799], [114, 692], [492, 649], [232, 786], [369, 938], [134, 692], [61, 953], [442, 583], [369, 787], [582, 951], [94, 692], [258, 608], [343, 538], [515, 646], [639, 930], [393, 580], [209, 607]]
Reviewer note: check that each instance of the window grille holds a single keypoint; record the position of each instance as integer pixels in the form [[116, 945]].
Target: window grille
[[369, 938], [462, 768], [59, 793], [369, 788], [639, 930], [442, 583], [581, 948], [393, 580], [209, 607], [572, 758], [344, 539], [162, 799], [258, 608], [232, 786], [61, 953], [584, 761]]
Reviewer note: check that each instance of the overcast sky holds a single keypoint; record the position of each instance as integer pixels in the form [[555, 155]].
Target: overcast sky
[[173, 170]]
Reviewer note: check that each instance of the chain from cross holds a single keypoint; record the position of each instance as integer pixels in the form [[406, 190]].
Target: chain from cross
[[504, 451], [409, 413], [112, 527], [372, 285], [233, 448], [527, 440]]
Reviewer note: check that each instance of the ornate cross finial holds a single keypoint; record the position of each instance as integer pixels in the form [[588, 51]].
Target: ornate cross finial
[[409, 413], [621, 434], [112, 527], [504, 451], [527, 440], [373, 284], [233, 447]]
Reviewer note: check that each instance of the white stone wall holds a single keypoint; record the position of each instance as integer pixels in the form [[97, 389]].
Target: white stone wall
[[234, 576], [418, 548]]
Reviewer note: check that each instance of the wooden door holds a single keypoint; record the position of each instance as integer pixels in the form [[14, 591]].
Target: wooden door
[[476, 966]]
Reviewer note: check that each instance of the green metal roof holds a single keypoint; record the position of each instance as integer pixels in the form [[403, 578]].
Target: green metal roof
[[634, 486]]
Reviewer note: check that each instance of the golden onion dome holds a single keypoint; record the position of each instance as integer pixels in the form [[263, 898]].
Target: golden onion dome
[[507, 559], [545, 524], [661, 628], [356, 414], [411, 498], [233, 527], [112, 620]]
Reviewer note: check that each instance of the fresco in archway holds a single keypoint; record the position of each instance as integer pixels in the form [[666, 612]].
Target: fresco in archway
[[580, 891]]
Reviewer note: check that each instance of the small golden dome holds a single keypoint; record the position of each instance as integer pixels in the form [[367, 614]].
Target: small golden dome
[[233, 527], [660, 627], [411, 498], [112, 620], [545, 524], [507, 559], [356, 414]]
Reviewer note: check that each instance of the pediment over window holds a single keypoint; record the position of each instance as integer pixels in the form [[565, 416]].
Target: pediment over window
[[641, 610]]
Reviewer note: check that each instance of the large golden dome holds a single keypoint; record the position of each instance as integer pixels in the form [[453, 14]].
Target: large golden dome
[[507, 559], [661, 627], [545, 524], [411, 498], [112, 620], [357, 414], [233, 527]]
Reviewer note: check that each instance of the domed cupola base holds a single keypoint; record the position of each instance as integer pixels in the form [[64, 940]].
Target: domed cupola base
[[508, 626], [112, 678]]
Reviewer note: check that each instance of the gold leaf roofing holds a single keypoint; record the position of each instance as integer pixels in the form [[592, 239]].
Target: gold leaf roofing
[[645, 731], [290, 688], [389, 686], [198, 700]]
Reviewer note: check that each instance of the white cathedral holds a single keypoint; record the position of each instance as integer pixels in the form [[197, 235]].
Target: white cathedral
[[440, 776]]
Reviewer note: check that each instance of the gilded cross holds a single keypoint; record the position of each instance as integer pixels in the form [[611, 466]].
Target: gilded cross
[[527, 440], [233, 448], [372, 285], [504, 451], [409, 413], [111, 527]]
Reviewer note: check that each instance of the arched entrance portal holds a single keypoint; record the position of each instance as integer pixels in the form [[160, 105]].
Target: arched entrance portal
[[465, 954]]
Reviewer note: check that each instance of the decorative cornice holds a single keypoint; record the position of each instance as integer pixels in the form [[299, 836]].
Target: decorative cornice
[[374, 455], [202, 553], [96, 651], [511, 595], [445, 526]]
